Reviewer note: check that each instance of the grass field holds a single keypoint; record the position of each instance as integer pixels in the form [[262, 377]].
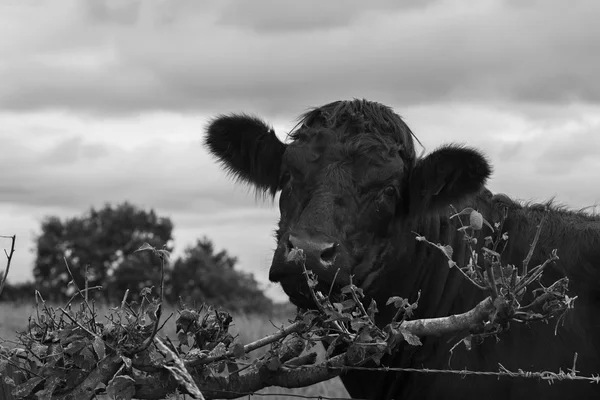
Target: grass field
[[14, 317]]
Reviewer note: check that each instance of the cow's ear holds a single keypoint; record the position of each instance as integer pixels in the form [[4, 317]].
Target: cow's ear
[[248, 148], [446, 176]]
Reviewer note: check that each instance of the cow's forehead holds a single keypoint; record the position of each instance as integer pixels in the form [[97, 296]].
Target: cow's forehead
[[363, 161], [343, 146], [341, 121]]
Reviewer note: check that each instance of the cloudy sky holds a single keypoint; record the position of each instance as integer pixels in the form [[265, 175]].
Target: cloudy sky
[[106, 101]]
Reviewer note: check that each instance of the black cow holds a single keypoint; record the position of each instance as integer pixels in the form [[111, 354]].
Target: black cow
[[353, 192]]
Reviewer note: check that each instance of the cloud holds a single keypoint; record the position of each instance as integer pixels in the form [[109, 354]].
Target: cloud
[[575, 151], [120, 12], [112, 161], [165, 175], [73, 150], [272, 16], [164, 55]]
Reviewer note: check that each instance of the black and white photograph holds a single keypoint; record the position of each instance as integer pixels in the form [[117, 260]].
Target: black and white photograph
[[281, 199]]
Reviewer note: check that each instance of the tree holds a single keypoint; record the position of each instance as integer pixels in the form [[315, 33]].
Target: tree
[[202, 275], [102, 240]]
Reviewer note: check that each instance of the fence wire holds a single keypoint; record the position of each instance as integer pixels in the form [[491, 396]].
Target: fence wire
[[547, 376]]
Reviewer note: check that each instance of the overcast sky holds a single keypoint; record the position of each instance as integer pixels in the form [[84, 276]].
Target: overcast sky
[[107, 100]]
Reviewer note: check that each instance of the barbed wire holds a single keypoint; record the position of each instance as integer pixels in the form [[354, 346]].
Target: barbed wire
[[548, 376], [300, 396]]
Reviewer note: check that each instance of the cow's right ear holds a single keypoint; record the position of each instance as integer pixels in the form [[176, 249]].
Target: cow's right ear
[[248, 148], [450, 174]]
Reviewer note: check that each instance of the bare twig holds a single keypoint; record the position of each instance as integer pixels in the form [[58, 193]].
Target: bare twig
[[316, 299], [306, 359], [487, 262], [85, 291], [124, 301], [73, 320], [472, 253], [535, 273], [450, 260], [534, 243], [359, 303], [83, 297], [333, 282], [9, 256]]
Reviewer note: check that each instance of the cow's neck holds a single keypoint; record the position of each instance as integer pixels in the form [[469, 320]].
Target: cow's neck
[[415, 266]]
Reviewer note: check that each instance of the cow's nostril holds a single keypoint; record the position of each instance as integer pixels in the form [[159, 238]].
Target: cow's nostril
[[292, 242], [328, 254], [319, 250]]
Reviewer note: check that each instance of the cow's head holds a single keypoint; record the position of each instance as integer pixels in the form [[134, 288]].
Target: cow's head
[[349, 179]]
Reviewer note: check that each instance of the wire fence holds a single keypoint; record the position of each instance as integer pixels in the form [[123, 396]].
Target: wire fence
[[548, 376], [299, 396]]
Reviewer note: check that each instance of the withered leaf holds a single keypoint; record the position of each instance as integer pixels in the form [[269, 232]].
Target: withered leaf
[[99, 347], [410, 337], [26, 388], [121, 388], [238, 350]]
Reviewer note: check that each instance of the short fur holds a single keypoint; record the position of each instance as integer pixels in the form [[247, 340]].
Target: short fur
[[351, 177]]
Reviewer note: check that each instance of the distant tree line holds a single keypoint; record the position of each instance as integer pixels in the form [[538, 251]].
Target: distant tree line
[[102, 243]]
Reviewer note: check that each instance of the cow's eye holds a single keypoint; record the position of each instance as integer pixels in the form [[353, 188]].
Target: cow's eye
[[284, 179], [390, 191]]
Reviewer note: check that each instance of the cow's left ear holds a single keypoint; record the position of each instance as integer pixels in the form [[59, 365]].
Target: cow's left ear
[[447, 176], [248, 148]]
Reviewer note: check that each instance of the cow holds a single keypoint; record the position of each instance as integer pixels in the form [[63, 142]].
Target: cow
[[353, 193]]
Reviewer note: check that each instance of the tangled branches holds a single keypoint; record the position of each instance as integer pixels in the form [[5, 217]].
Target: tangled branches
[[67, 353]]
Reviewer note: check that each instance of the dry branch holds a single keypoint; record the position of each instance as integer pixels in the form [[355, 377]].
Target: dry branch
[[235, 386], [454, 323]]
